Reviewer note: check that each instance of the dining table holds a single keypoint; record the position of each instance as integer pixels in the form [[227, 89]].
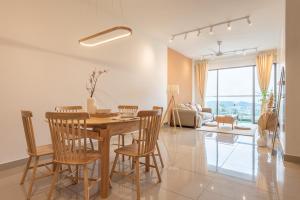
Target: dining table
[[105, 128]]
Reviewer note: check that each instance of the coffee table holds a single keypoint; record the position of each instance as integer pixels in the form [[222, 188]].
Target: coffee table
[[228, 119]]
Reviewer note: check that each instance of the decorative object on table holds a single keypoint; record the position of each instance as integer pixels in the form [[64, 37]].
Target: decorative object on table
[[226, 119], [91, 87], [172, 90], [193, 115]]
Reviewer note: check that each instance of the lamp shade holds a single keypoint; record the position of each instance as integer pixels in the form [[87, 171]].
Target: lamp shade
[[173, 89]]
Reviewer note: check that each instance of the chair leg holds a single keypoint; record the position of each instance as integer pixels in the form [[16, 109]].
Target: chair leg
[[33, 176], [137, 177], [114, 166], [156, 168], [92, 144], [25, 171], [123, 144], [119, 141], [86, 182], [54, 180], [77, 174], [159, 154]]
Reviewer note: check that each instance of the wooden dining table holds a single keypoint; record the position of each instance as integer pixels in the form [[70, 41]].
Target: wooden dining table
[[106, 128]]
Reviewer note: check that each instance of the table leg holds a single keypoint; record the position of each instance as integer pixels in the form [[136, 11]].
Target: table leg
[[104, 163]]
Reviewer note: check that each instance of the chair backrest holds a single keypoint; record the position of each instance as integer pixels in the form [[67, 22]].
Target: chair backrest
[[161, 111], [65, 129], [29, 132], [159, 108], [128, 109], [148, 130], [68, 109]]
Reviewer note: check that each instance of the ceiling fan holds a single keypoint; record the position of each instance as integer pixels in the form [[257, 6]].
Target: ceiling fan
[[219, 52]]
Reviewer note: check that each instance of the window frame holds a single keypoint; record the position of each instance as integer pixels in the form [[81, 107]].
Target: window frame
[[253, 95]]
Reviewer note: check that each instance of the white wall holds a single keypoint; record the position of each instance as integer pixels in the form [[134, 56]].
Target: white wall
[[42, 65], [292, 49]]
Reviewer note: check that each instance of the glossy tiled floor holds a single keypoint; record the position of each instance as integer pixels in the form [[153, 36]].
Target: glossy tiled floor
[[198, 166]]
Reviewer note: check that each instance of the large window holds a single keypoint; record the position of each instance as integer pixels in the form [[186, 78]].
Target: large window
[[236, 91]]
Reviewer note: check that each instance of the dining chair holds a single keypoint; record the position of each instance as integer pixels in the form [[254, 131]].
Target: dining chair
[[161, 110], [34, 152], [64, 129], [68, 109], [126, 111], [149, 124]]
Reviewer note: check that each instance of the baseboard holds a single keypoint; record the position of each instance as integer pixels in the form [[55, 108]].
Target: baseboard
[[13, 164], [290, 158]]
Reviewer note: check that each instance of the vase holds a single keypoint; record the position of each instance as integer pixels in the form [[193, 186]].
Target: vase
[[262, 139], [91, 105]]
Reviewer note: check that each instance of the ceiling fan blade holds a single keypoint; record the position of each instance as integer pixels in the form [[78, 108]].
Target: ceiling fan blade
[[214, 52]]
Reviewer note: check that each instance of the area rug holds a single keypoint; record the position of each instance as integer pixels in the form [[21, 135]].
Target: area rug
[[242, 130]]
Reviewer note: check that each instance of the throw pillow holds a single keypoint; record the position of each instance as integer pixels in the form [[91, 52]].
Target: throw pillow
[[199, 108]]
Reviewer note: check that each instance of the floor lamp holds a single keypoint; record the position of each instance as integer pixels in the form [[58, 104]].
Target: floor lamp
[[172, 91]]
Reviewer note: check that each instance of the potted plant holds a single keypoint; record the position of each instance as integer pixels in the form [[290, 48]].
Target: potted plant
[[91, 88]]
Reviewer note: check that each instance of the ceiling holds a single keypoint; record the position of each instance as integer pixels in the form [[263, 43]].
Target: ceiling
[[162, 18]]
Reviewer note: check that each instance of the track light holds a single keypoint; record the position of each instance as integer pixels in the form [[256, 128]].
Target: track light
[[228, 26], [211, 32], [210, 27], [172, 38], [249, 21], [198, 34]]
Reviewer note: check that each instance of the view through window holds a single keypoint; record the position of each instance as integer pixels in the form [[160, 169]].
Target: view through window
[[236, 91]]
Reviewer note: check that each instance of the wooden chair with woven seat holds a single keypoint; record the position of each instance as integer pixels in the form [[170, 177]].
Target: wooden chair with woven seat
[[73, 109], [64, 129], [34, 152], [161, 110], [143, 147], [68, 109], [126, 111]]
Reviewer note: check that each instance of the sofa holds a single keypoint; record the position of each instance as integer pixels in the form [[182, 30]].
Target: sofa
[[192, 115]]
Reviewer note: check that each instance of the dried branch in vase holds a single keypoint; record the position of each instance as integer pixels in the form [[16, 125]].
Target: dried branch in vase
[[92, 82]]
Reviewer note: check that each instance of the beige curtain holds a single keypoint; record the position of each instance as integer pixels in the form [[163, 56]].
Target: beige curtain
[[201, 77], [264, 62]]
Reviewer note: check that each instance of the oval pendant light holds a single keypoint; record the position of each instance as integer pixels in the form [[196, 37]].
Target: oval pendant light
[[106, 36]]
